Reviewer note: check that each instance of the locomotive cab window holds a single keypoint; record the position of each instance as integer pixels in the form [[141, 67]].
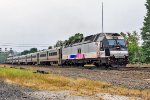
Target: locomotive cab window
[[79, 50]]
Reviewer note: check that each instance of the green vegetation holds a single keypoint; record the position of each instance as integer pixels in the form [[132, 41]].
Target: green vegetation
[[134, 49], [60, 43], [140, 54], [3, 57], [50, 47], [146, 34], [76, 36], [55, 82], [32, 50]]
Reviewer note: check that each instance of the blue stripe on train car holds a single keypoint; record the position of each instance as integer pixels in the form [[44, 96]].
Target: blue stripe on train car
[[73, 56]]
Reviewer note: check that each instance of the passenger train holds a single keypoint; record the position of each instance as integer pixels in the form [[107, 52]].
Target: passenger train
[[107, 49]]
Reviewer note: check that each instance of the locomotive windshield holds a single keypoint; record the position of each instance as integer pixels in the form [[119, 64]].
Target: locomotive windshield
[[117, 43], [121, 42], [112, 42]]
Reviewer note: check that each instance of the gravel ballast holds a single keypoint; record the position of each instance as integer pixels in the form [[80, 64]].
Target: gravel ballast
[[14, 92], [134, 79]]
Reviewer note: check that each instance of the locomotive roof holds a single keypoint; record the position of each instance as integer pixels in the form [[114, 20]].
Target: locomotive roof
[[113, 35], [90, 38], [93, 38]]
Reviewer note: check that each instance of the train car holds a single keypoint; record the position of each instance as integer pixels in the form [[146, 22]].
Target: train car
[[22, 60], [15, 60], [54, 56], [43, 58], [108, 49], [28, 59], [50, 56], [9, 60], [105, 48], [34, 58]]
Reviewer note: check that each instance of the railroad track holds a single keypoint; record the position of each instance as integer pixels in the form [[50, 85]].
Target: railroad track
[[133, 69]]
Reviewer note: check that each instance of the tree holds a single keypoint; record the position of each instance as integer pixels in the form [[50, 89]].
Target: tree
[[59, 43], [146, 33], [33, 50], [25, 52], [50, 47], [133, 47], [3, 57], [76, 36]]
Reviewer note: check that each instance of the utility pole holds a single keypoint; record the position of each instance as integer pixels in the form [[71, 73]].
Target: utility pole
[[102, 18]]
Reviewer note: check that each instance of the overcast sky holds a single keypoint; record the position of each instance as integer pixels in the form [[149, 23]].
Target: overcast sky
[[37, 22]]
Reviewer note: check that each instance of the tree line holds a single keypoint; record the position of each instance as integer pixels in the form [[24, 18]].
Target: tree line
[[32, 50], [137, 53]]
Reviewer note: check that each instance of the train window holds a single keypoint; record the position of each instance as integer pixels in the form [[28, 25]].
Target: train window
[[79, 50], [53, 54], [43, 55], [101, 46], [28, 57], [50, 54], [121, 42], [33, 56], [112, 42]]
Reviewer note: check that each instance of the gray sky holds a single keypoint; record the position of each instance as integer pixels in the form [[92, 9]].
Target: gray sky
[[46, 21]]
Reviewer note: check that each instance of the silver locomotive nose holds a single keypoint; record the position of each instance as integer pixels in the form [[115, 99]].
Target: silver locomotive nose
[[119, 54]]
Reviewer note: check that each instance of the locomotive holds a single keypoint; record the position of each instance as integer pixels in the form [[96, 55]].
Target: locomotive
[[107, 49]]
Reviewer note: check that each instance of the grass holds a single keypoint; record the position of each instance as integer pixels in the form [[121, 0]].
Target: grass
[[138, 65], [56, 83]]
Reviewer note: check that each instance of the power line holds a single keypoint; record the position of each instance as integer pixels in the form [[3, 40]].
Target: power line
[[22, 44]]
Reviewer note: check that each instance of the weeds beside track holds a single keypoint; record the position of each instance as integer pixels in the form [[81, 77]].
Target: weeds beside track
[[80, 86]]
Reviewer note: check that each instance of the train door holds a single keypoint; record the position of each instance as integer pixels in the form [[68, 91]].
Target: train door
[[38, 61], [47, 53], [31, 58], [107, 51], [105, 48], [60, 56], [97, 49], [79, 51], [102, 52]]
